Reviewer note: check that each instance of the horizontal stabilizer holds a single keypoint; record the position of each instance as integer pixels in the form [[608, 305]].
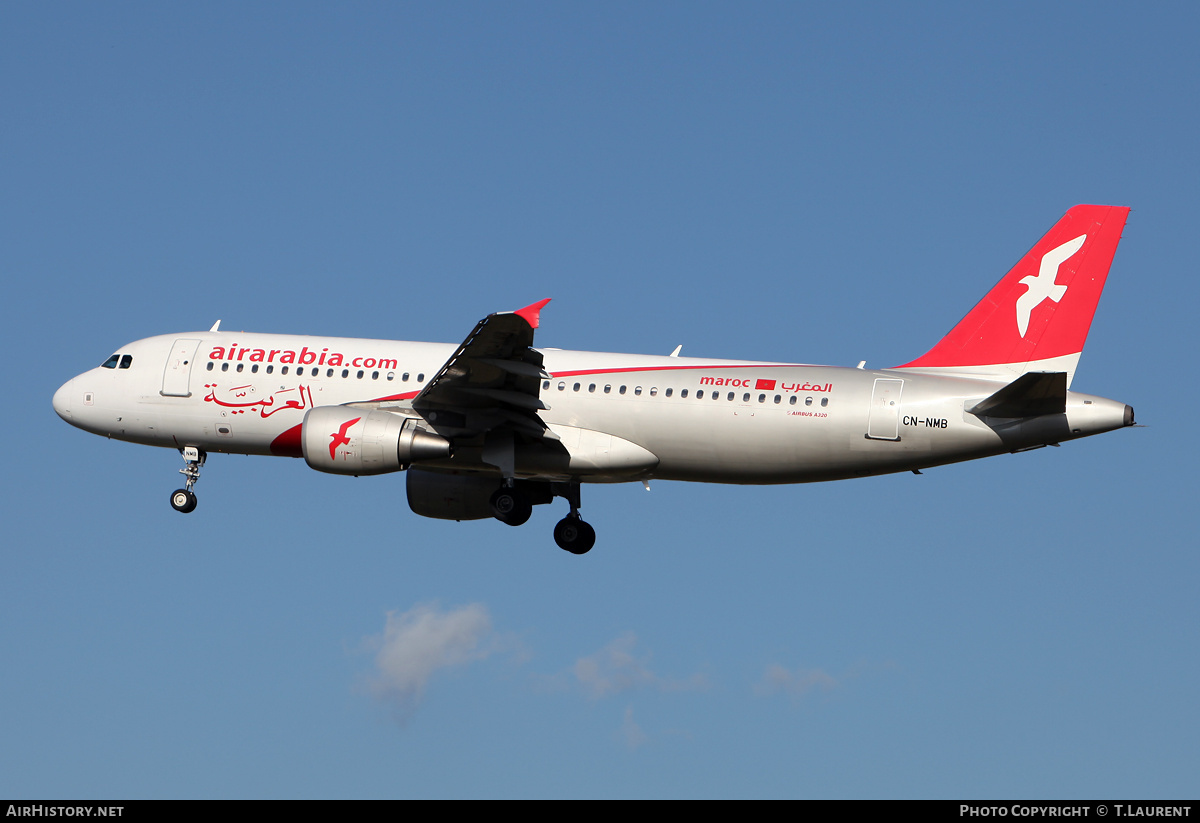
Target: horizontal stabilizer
[[1030, 395]]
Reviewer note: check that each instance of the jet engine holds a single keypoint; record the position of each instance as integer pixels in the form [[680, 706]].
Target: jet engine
[[345, 440]]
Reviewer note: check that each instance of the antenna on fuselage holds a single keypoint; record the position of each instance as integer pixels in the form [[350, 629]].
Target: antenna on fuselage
[[678, 349], [216, 326]]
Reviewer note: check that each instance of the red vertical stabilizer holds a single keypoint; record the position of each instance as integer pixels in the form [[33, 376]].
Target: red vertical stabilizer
[[1037, 317]]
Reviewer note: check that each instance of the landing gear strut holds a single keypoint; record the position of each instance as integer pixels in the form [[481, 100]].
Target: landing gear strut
[[184, 500], [572, 533]]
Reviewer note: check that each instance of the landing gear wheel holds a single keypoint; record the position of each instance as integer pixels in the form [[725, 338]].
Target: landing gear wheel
[[510, 506], [183, 501], [574, 535]]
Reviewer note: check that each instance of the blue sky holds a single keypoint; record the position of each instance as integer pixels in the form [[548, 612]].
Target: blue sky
[[819, 183]]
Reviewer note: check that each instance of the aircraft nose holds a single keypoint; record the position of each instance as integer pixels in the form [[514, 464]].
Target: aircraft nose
[[62, 401]]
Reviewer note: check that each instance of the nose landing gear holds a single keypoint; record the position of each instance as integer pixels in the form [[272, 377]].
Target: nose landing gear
[[184, 500]]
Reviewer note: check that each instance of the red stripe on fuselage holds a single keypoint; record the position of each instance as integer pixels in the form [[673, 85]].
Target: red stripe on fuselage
[[405, 396], [288, 443]]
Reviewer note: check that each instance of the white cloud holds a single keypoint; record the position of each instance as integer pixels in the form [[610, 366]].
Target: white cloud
[[616, 668], [776, 679], [631, 732], [419, 642]]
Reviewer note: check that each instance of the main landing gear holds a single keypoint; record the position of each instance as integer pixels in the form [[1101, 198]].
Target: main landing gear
[[184, 500], [572, 533], [512, 504]]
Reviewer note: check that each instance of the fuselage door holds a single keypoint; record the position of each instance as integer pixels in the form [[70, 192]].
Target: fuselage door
[[884, 420], [179, 368]]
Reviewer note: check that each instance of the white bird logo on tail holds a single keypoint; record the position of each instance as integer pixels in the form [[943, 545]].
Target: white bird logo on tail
[[1043, 286]]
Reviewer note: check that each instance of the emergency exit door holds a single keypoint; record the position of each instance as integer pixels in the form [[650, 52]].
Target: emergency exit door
[[884, 420]]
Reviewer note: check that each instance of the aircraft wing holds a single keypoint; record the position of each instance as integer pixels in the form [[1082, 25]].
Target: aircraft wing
[[494, 378]]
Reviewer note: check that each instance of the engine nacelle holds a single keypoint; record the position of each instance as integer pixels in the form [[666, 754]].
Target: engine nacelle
[[461, 496], [343, 440]]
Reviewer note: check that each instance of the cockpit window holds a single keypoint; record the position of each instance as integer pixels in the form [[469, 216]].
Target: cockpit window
[[126, 361], [111, 363]]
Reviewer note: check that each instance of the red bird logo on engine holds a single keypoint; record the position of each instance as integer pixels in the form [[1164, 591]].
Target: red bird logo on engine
[[339, 438]]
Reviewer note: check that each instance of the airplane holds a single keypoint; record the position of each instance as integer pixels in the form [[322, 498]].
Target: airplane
[[494, 426]]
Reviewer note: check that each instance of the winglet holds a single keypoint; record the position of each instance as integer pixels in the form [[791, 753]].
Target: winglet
[[531, 312]]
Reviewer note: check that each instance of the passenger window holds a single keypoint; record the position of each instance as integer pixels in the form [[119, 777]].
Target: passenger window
[[591, 387], [254, 369], [777, 399], [562, 386], [224, 367], [746, 397], [360, 372], [420, 378], [270, 369], [668, 392], [824, 401], [127, 361], [700, 394], [576, 387], [345, 372], [653, 391], [281, 371], [239, 368], [545, 384], [683, 393], [621, 390], [762, 398], [638, 390], [390, 375], [730, 398], [607, 389], [808, 401], [210, 365], [111, 363], [404, 377], [792, 400]]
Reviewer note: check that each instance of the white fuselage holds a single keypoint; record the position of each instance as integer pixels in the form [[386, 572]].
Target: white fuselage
[[718, 421]]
